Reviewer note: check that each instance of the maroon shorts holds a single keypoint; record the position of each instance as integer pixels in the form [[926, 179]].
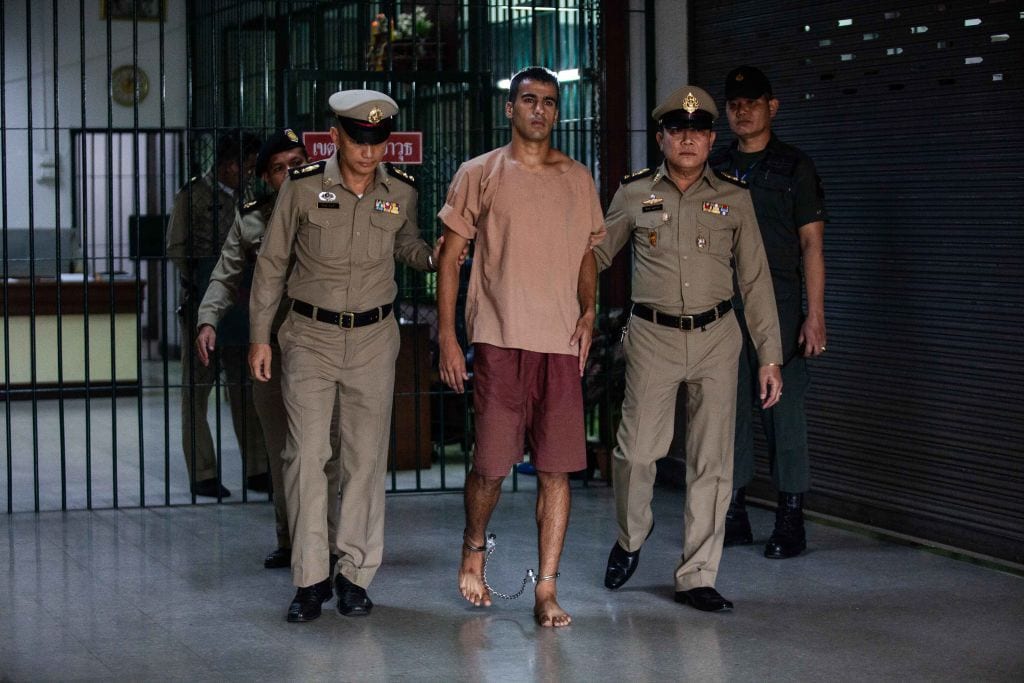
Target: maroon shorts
[[520, 393]]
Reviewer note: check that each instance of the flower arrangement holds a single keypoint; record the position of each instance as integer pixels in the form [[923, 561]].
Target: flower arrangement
[[413, 25]]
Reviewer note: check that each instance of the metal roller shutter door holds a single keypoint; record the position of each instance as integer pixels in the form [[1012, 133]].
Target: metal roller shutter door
[[912, 112]]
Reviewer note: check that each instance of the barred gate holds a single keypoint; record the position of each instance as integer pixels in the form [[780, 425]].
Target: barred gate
[[107, 108]]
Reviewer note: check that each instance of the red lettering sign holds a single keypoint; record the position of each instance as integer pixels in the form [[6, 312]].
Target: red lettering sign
[[402, 148]]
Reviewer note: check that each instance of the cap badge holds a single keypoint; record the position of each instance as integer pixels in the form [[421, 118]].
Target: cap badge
[[738, 77], [690, 103], [291, 135], [375, 115]]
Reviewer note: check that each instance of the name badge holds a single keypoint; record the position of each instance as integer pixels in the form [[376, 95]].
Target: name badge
[[327, 205]]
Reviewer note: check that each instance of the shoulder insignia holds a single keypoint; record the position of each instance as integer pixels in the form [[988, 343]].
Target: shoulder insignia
[[249, 206], [637, 175], [308, 169], [190, 182], [729, 178], [395, 172], [261, 204]]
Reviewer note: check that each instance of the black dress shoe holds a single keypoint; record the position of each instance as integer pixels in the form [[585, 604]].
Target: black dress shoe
[[211, 488], [352, 599], [705, 599], [737, 522], [259, 482], [788, 539], [278, 559], [306, 603], [621, 565]]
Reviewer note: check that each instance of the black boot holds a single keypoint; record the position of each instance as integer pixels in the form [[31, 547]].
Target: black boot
[[737, 523], [788, 538]]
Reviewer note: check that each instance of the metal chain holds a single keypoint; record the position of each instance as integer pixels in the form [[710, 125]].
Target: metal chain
[[526, 579]]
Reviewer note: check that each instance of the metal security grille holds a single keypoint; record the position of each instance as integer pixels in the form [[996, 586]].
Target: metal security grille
[[107, 109], [911, 112]]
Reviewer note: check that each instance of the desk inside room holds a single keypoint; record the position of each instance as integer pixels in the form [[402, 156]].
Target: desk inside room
[[89, 310]]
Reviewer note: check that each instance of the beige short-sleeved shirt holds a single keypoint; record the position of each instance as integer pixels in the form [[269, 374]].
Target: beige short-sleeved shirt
[[531, 230]]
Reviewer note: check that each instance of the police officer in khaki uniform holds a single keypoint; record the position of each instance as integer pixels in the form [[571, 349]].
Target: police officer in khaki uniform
[[230, 283], [200, 220], [688, 226], [343, 220]]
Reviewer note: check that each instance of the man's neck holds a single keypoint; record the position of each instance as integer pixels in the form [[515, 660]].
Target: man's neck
[[355, 182], [683, 179], [530, 153], [754, 143]]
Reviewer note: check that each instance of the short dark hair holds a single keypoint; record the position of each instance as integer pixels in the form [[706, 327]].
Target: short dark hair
[[236, 146], [534, 73]]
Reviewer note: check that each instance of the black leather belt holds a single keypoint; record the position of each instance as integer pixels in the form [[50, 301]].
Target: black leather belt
[[682, 322], [344, 319]]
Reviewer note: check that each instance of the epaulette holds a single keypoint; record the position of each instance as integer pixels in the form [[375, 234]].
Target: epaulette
[[395, 172], [308, 169], [729, 178], [254, 205], [190, 182], [637, 175]]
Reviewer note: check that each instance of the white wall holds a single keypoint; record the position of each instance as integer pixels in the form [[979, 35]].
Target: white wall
[[29, 39]]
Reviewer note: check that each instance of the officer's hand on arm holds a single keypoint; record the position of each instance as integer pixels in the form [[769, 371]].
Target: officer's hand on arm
[[452, 364], [206, 343], [463, 255], [769, 378], [259, 362]]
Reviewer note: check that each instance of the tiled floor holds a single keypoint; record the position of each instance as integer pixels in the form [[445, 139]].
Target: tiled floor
[[180, 594]]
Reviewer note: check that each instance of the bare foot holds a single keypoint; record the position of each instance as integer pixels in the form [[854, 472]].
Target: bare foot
[[547, 610], [471, 582]]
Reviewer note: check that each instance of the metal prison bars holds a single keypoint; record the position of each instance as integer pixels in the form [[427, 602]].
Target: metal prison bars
[[107, 109]]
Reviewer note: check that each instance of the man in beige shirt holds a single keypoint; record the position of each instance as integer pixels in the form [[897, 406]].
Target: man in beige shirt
[[230, 285], [336, 230], [200, 220], [532, 212], [692, 229]]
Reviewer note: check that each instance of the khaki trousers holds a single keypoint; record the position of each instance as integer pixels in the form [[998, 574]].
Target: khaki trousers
[[197, 382], [658, 359], [321, 362], [270, 407]]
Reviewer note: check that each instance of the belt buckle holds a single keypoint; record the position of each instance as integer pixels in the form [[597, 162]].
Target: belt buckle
[[685, 317], [347, 320]]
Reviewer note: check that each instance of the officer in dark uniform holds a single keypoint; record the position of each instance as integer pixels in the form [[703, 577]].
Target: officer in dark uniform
[[790, 206]]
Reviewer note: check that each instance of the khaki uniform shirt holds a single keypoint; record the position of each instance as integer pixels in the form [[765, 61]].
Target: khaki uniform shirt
[[200, 220], [684, 248], [344, 246], [227, 282]]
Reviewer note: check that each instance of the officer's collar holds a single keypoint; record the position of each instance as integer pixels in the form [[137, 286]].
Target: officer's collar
[[332, 176], [707, 176]]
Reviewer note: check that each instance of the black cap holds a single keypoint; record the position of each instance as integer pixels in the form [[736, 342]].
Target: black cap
[[280, 141], [698, 120], [747, 82]]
